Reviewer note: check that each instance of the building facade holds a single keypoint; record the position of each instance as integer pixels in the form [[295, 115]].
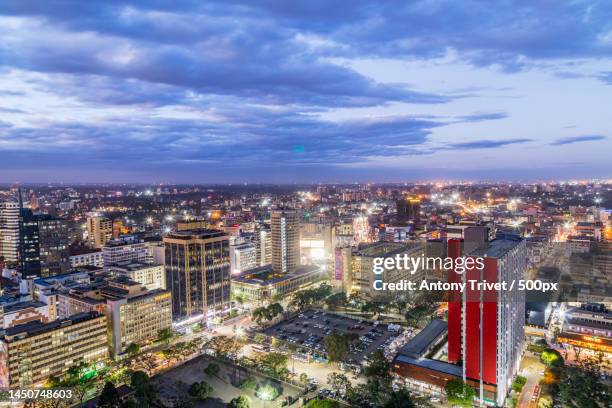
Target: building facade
[[285, 240], [31, 353], [9, 230], [99, 231], [198, 273]]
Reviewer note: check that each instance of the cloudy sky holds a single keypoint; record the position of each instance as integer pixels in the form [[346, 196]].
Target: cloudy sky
[[304, 91]]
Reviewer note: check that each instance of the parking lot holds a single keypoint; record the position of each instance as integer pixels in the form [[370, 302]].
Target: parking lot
[[308, 330]]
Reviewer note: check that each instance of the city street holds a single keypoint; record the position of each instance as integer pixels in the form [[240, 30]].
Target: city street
[[532, 369]]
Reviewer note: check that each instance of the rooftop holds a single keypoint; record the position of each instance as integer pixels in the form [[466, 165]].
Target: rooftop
[[34, 328], [386, 249], [498, 247], [426, 338], [435, 365], [196, 233], [264, 275]]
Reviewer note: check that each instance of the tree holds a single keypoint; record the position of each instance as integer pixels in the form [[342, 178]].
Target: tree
[[580, 386], [459, 393], [200, 390], [304, 378], [518, 383], [132, 349], [339, 383], [379, 366], [165, 335], [335, 300], [109, 397], [274, 310], [337, 346], [322, 403], [418, 315], [241, 401], [144, 392], [267, 392], [249, 383], [212, 369], [259, 338], [260, 314], [551, 357], [400, 399], [275, 361]]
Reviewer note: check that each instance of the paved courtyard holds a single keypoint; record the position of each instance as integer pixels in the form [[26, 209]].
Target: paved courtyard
[[175, 384]]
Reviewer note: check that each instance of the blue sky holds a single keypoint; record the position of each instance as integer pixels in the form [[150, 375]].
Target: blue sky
[[304, 91]]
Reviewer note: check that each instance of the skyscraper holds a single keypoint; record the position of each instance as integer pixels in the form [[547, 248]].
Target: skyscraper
[[198, 272], [285, 240], [54, 242], [409, 209], [29, 244], [9, 230], [262, 238], [485, 327]]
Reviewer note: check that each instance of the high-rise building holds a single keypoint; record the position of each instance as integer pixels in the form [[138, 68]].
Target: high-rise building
[[9, 230], [262, 238], [29, 245], [31, 353], [485, 326], [54, 241], [242, 257], [99, 231], [285, 240], [198, 272], [409, 210]]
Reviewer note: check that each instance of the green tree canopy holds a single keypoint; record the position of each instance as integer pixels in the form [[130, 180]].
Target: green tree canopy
[[400, 399], [242, 401], [200, 390], [459, 393], [109, 397]]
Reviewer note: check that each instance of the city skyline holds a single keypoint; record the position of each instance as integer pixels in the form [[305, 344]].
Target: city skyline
[[307, 92]]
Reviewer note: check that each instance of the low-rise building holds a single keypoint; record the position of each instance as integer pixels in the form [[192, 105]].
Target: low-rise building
[[262, 284]]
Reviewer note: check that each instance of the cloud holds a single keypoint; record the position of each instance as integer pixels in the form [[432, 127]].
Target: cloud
[[487, 144], [151, 85], [606, 77], [577, 139]]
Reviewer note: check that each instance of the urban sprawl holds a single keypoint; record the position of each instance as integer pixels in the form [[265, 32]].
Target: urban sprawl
[[307, 295]]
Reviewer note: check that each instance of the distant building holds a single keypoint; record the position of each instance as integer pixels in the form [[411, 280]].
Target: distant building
[[31, 353], [29, 245], [150, 275], [409, 210], [87, 257], [9, 230], [285, 240], [243, 257], [262, 238], [99, 231], [362, 266], [125, 249], [54, 241], [198, 272]]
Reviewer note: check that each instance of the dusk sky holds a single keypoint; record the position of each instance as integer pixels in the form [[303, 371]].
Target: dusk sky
[[304, 91]]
